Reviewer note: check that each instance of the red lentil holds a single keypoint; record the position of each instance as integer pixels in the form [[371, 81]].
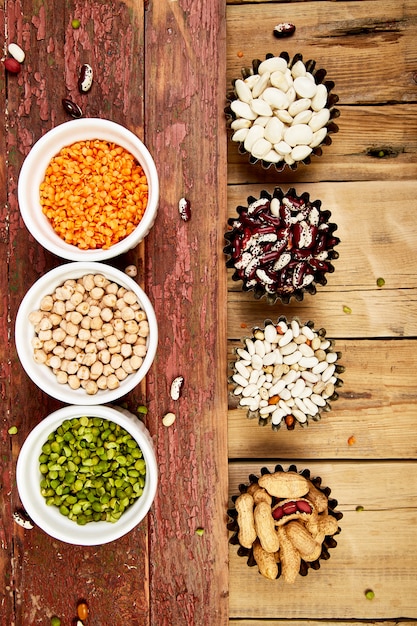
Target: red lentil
[[94, 194]]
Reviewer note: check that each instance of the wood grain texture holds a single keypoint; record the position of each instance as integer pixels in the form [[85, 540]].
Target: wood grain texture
[[365, 448], [376, 405], [366, 48], [372, 552], [37, 585], [187, 282]]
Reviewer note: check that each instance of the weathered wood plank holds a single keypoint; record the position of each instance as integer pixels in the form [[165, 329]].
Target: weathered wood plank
[[54, 52], [376, 405], [373, 550], [187, 283]]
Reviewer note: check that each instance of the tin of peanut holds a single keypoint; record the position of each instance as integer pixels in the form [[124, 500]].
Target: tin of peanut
[[290, 557], [301, 539], [284, 484], [265, 561], [244, 507], [265, 527]]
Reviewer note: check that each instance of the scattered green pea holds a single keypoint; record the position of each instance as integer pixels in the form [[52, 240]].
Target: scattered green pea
[[360, 508], [96, 475], [75, 24], [369, 594], [347, 310], [142, 409], [199, 532], [12, 430], [55, 621], [380, 282]]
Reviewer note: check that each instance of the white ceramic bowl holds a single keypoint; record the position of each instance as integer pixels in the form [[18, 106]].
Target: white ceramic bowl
[[41, 374], [33, 173], [48, 517]]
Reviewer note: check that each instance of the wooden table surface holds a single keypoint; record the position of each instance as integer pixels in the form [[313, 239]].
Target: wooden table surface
[[162, 69]]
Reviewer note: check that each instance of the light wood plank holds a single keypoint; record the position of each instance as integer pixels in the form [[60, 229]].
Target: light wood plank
[[374, 550], [378, 239], [376, 405]]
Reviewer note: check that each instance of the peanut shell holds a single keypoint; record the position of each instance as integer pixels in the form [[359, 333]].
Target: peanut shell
[[244, 508], [265, 527], [284, 484], [265, 561], [290, 557]]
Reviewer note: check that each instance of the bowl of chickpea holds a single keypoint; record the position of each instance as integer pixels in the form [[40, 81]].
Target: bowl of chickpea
[[86, 333], [87, 475], [88, 190]]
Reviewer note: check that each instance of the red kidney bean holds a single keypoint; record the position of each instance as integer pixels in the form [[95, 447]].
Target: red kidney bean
[[12, 65], [303, 506], [184, 208], [277, 513], [289, 508]]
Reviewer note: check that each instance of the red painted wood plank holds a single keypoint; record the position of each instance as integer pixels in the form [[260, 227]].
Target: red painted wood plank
[[41, 576], [185, 57]]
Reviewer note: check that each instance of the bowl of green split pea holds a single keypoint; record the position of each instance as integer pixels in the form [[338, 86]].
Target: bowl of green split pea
[[87, 475]]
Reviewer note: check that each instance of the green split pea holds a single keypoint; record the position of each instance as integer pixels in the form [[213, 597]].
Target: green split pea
[[92, 470]]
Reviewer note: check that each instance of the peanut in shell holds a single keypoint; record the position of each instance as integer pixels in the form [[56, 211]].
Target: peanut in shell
[[301, 539], [265, 527], [259, 494], [265, 561], [244, 508], [289, 555], [317, 497], [284, 484]]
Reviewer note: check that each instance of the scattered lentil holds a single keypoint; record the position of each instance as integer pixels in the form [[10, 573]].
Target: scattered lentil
[[75, 23], [359, 508], [380, 282], [199, 532], [351, 440], [347, 310], [369, 594]]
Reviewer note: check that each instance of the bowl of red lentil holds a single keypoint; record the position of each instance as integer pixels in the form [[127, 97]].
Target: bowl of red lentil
[[86, 333], [87, 475], [88, 190]]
